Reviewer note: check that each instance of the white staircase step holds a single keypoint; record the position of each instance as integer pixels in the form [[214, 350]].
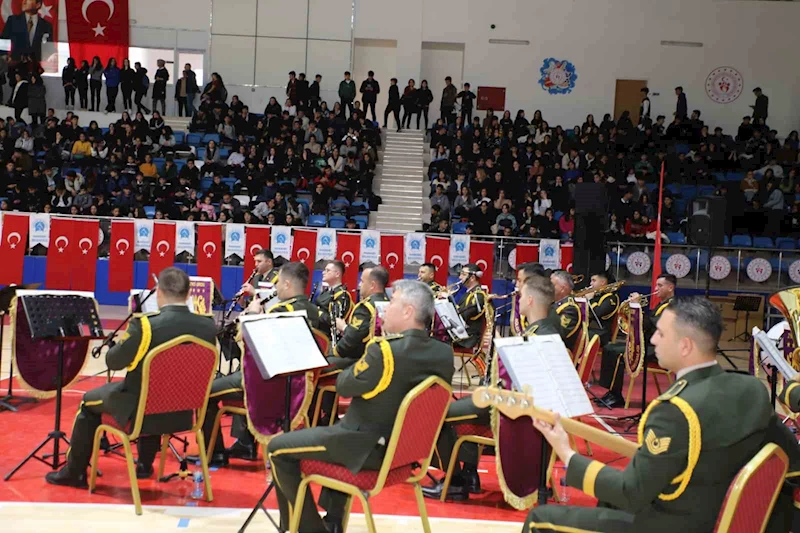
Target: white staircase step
[[391, 209], [398, 198], [398, 226], [389, 180]]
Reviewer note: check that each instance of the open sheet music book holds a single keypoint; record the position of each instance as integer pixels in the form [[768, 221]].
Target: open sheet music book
[[771, 355], [451, 319], [281, 343], [151, 305], [543, 364]]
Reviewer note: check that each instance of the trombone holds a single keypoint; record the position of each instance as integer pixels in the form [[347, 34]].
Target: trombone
[[611, 287], [577, 278]]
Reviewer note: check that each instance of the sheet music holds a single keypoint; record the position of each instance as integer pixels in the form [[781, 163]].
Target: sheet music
[[770, 354], [282, 343], [451, 319], [26, 292], [151, 305], [543, 364]]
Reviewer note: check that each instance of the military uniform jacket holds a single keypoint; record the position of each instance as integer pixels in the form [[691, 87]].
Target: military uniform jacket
[[605, 306], [694, 439], [354, 338], [378, 382], [651, 318], [566, 316], [339, 296], [145, 332], [790, 396], [298, 303], [435, 287], [473, 310]]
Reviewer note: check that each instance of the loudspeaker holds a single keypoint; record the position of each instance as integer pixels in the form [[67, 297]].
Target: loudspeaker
[[591, 199], [707, 221], [590, 245]]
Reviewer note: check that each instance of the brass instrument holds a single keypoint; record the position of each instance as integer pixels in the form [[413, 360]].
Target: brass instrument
[[625, 310], [787, 302], [449, 290], [503, 296], [611, 287], [239, 294], [577, 278]]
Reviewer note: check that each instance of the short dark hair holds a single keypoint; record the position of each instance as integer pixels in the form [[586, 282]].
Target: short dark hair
[[669, 278], [757, 89], [602, 274], [338, 265], [542, 288], [379, 275], [370, 73], [174, 283], [532, 269], [346, 72], [266, 253], [296, 271], [700, 314], [430, 265], [679, 88]]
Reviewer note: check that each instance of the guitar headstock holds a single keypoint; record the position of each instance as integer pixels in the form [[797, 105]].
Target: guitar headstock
[[512, 404]]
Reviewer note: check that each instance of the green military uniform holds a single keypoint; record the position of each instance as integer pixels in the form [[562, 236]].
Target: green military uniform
[[473, 311], [435, 287], [566, 316], [336, 300], [120, 399], [378, 383], [605, 308], [790, 396], [230, 387], [361, 328], [694, 439]]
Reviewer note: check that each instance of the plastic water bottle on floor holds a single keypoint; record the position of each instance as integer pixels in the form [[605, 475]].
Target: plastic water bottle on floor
[[197, 491]]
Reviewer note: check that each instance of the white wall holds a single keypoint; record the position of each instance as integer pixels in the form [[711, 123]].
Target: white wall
[[380, 56], [440, 60]]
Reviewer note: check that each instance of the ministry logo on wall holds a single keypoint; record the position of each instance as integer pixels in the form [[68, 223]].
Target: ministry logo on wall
[[724, 85], [558, 76]]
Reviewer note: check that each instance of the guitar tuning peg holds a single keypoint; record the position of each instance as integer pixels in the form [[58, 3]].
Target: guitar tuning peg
[[527, 391]]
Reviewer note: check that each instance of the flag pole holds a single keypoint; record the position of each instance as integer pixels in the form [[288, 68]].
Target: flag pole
[[657, 253]]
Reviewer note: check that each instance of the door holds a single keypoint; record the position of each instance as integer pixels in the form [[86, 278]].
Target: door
[[628, 97]]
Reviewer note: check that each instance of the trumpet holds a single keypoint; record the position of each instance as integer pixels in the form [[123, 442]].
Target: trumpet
[[577, 278], [449, 290], [623, 315], [503, 296], [611, 287]]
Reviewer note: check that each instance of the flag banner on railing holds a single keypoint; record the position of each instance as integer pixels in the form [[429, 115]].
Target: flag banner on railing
[[120, 256], [60, 254], [162, 254], [550, 253], [184, 238], [304, 249], [209, 252], [144, 234], [459, 250], [234, 240], [392, 253], [482, 254], [281, 241], [523, 253], [654, 301], [256, 238], [12, 248], [567, 255], [370, 247], [39, 229], [326, 244], [437, 253], [84, 268], [415, 248], [348, 251]]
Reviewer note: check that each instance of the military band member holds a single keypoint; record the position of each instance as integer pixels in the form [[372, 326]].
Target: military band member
[[472, 307], [291, 286], [265, 273], [602, 309], [120, 399], [336, 299], [427, 274], [790, 395], [565, 313], [694, 439], [378, 383], [536, 296], [524, 271]]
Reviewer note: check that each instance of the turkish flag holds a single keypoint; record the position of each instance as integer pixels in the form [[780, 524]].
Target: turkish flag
[[438, 253], [60, 254], [85, 234], [162, 250], [48, 14], [256, 238], [567, 254], [304, 249], [98, 28], [120, 256], [482, 254], [348, 251], [12, 249], [209, 252], [392, 248], [527, 253]]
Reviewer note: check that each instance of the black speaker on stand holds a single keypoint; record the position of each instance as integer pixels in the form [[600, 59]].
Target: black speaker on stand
[[707, 227], [591, 222]]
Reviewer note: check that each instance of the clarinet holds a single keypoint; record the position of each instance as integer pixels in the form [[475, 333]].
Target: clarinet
[[239, 295], [336, 311], [314, 292]]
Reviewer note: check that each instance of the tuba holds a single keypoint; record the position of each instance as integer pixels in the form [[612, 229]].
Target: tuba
[[787, 302]]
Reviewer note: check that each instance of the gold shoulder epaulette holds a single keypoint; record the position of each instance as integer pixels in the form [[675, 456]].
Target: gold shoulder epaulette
[[140, 315], [392, 336], [673, 391]]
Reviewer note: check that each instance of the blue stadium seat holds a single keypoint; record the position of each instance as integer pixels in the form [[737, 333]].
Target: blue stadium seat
[[707, 190], [777, 264], [735, 176], [180, 163], [211, 137], [224, 153], [460, 228], [317, 221], [674, 188], [676, 237], [557, 215], [742, 241], [205, 183], [150, 211], [179, 136], [104, 130], [304, 203], [337, 221], [688, 192], [230, 182], [726, 241], [785, 243], [763, 242], [340, 205], [719, 176], [201, 152], [362, 218], [681, 148], [361, 224], [195, 139]]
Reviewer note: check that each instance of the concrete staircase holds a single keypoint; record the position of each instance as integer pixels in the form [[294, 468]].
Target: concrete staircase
[[399, 180]]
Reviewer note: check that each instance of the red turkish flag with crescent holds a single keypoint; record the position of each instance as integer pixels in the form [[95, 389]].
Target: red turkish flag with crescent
[[304, 250], [86, 234], [209, 252], [12, 248], [48, 12], [527, 253], [256, 238], [567, 255], [392, 248], [60, 254], [348, 251], [437, 252], [120, 256], [482, 254], [98, 28], [162, 250]]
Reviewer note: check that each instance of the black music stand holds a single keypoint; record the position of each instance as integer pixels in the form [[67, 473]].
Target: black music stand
[[748, 304], [60, 318], [6, 295]]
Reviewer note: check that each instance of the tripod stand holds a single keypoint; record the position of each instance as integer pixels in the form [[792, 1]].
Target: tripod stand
[[748, 304], [6, 295]]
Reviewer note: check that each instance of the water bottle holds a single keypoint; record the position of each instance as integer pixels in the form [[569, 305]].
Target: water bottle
[[198, 492]]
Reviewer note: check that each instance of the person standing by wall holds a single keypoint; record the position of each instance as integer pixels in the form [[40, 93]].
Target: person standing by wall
[[127, 83], [191, 89], [448, 104], [96, 82], [761, 108], [37, 102], [370, 88], [160, 87], [113, 79], [393, 106], [681, 108], [82, 84], [141, 85], [424, 99], [347, 93], [68, 74], [467, 103]]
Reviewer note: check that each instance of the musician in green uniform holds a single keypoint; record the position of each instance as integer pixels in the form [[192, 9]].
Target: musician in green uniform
[[120, 399], [472, 307], [427, 275], [565, 313], [603, 308], [536, 297], [518, 321], [291, 286], [693, 440], [377, 383], [265, 273], [335, 301], [665, 292]]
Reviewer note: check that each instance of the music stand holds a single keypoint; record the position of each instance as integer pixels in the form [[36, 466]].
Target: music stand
[[748, 304], [6, 295], [59, 317]]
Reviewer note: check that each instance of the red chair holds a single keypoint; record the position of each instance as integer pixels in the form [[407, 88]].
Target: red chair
[[474, 433], [176, 377], [408, 456], [753, 492], [478, 355]]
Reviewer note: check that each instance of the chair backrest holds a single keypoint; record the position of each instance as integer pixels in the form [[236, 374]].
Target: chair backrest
[[752, 494], [322, 341], [487, 333], [589, 357], [615, 326], [176, 377]]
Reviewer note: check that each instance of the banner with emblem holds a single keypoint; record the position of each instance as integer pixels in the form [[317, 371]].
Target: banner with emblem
[[550, 253], [184, 237], [281, 241], [459, 250], [415, 248], [370, 247], [326, 244], [234, 240], [144, 234], [39, 229]]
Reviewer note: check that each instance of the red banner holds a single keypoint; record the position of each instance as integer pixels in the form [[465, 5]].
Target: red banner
[[98, 28], [437, 252], [209, 252], [256, 238], [86, 235], [526, 253], [567, 255], [120, 256], [348, 251], [482, 254], [17, 32], [60, 254], [12, 249], [392, 249], [654, 301], [162, 250], [304, 250]]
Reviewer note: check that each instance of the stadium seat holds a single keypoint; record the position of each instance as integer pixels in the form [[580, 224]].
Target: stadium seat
[[362, 221], [676, 237], [337, 221], [742, 241], [340, 205], [224, 153], [201, 152], [557, 215], [785, 243], [681, 148], [205, 184], [179, 136], [194, 139], [735, 176], [150, 211], [763, 242], [707, 190], [230, 182], [317, 221], [208, 137], [460, 228]]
